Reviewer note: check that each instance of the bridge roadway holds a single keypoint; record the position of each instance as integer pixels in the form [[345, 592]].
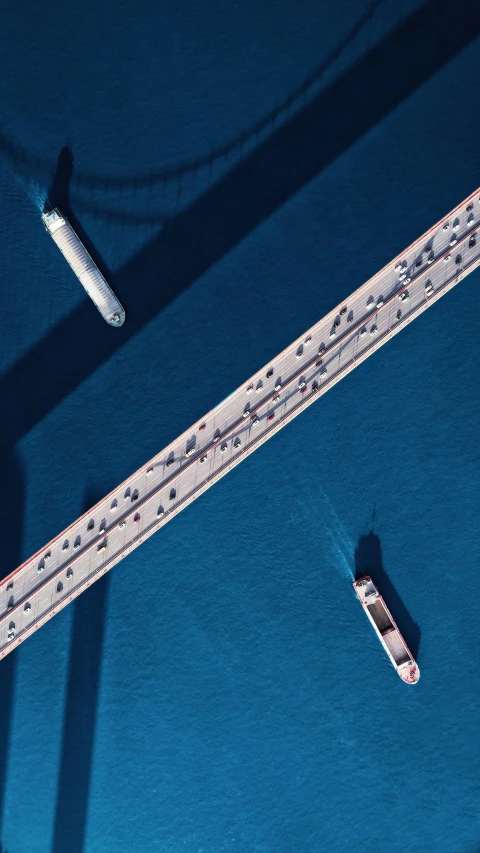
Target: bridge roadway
[[146, 501]]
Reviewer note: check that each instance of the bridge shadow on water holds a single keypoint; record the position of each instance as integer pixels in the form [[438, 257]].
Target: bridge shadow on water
[[86, 651], [368, 561], [235, 205]]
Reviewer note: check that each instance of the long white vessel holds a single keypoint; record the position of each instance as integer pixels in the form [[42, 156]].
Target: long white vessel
[[84, 267], [386, 630]]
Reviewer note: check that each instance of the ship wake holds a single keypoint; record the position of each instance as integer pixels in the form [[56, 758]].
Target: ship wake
[[340, 544]]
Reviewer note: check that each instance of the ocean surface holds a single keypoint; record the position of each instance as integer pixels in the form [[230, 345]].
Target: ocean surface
[[237, 170]]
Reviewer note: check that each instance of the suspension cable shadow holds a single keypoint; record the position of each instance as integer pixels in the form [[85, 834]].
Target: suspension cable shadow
[[24, 161]]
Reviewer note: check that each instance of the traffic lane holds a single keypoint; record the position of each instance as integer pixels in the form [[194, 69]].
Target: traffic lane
[[381, 281], [47, 599], [136, 483]]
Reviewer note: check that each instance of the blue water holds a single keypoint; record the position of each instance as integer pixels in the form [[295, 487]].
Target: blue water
[[221, 690]]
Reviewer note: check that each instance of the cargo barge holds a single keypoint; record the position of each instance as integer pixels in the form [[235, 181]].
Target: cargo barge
[[84, 267], [387, 630]]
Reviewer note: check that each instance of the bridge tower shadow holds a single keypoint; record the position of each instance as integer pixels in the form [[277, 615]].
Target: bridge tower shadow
[[86, 649]]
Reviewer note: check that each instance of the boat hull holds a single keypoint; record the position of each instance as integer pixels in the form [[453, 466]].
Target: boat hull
[[84, 267], [387, 630]]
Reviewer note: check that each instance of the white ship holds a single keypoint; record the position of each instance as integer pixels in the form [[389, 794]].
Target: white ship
[[386, 630], [84, 267]]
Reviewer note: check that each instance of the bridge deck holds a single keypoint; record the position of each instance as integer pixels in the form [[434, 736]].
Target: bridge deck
[[305, 370]]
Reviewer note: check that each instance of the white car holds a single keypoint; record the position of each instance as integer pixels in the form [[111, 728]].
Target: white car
[[373, 330], [324, 372], [203, 458], [333, 332], [363, 332], [278, 386], [223, 448], [380, 303], [122, 525]]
